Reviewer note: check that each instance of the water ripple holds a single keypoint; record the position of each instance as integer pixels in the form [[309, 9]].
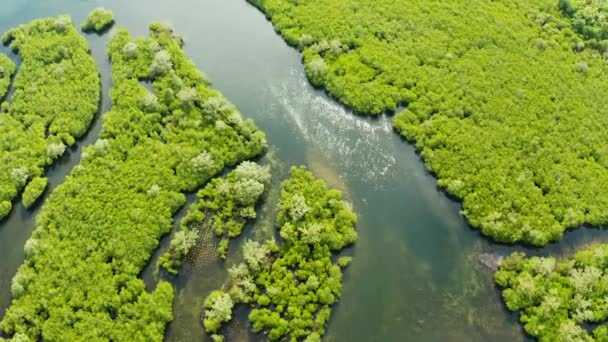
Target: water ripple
[[360, 146]]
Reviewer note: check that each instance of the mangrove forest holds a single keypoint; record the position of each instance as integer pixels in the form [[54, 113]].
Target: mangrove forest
[[390, 170]]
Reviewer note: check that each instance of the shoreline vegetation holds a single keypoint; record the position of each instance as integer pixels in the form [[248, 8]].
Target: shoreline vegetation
[[291, 285], [56, 96], [100, 227], [7, 70], [558, 300], [223, 206], [505, 104], [504, 99]]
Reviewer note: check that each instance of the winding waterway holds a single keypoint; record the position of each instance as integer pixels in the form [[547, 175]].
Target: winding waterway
[[416, 274]]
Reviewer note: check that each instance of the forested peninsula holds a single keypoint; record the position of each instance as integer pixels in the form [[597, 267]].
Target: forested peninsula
[[56, 95], [505, 99], [96, 231]]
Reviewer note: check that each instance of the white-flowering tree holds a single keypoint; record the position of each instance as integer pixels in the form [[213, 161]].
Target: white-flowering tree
[[20, 175], [317, 70], [55, 150], [161, 64], [311, 232], [255, 254], [247, 191], [149, 102], [130, 50], [101, 146], [218, 307], [187, 95], [298, 207], [251, 170]]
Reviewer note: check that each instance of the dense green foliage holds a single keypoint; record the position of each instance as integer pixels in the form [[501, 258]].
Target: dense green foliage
[[33, 191], [224, 205], [7, 69], [291, 287], [557, 299], [56, 96], [98, 20], [96, 231], [588, 18], [502, 109]]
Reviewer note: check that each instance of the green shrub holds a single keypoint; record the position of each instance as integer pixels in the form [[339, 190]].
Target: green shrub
[[5, 208], [33, 191], [98, 20]]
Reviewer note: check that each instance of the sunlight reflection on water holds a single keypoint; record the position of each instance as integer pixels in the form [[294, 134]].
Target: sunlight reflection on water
[[335, 131]]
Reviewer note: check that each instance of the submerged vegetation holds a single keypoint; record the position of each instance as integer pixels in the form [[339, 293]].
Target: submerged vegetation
[[97, 230], [98, 20], [56, 95], [557, 300], [224, 206], [502, 107], [291, 287]]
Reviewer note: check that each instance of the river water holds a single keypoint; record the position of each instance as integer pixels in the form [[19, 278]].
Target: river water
[[415, 275]]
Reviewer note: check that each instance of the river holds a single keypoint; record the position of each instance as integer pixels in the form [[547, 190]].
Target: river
[[415, 275]]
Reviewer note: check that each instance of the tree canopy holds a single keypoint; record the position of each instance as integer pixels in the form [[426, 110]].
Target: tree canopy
[[588, 19], [98, 20], [291, 287], [223, 206], [98, 229], [556, 300], [56, 95], [7, 70], [503, 104]]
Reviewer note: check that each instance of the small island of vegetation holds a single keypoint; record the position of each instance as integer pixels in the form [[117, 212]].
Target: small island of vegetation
[[99, 20], [291, 286]]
